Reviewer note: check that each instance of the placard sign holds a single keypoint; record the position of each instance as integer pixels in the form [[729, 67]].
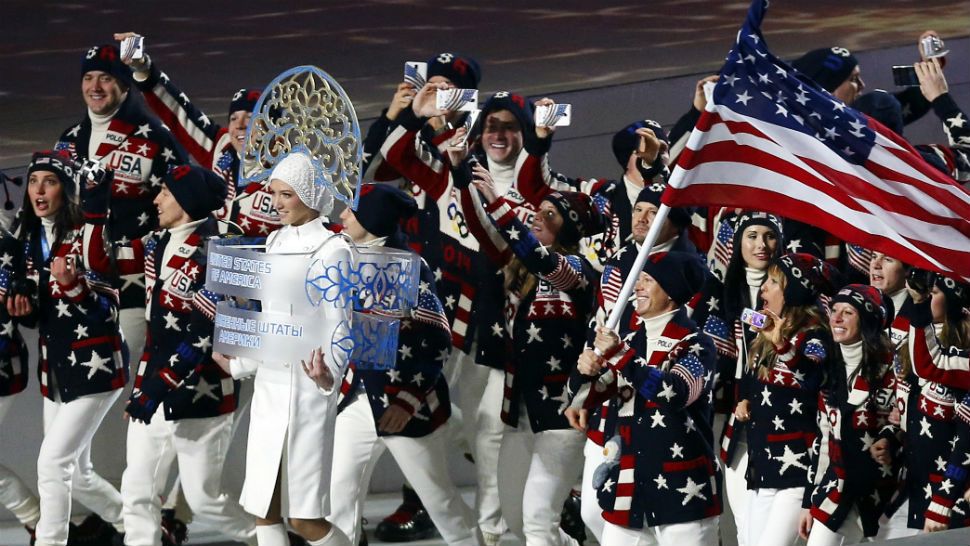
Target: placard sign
[[244, 271], [264, 335]]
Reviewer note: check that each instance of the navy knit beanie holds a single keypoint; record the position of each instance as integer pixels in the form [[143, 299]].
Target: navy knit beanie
[[106, 58], [581, 218], [828, 66], [198, 191], [60, 163], [461, 71], [381, 207], [883, 107], [244, 99], [680, 274], [626, 140]]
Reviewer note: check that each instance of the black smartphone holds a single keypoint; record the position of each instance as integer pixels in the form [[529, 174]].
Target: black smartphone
[[905, 76]]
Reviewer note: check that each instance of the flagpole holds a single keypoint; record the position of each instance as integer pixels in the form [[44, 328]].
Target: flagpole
[[631, 280]]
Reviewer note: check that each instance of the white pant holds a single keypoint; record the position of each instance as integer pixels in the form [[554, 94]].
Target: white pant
[[849, 533], [693, 533], [422, 461], [737, 497], [773, 514], [897, 525], [591, 510], [14, 494], [64, 466], [134, 327], [171, 488], [536, 474], [200, 447], [489, 428]]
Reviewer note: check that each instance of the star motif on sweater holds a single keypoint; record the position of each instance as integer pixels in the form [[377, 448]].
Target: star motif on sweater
[[924, 428], [661, 481], [203, 343], [690, 490], [667, 391], [404, 351], [766, 397], [657, 420], [81, 331], [96, 364], [533, 332], [203, 389], [553, 363], [62, 309], [171, 321], [789, 459], [796, 407], [393, 375], [513, 234], [677, 451]]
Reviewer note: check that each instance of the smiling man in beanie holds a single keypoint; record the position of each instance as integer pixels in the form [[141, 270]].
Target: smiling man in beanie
[[117, 132], [664, 407], [176, 373], [212, 144]]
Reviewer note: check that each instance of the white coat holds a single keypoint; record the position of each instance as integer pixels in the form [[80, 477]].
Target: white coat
[[292, 421]]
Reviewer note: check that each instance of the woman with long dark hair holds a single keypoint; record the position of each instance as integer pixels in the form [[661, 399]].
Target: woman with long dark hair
[[83, 361], [851, 487], [779, 394], [756, 241]]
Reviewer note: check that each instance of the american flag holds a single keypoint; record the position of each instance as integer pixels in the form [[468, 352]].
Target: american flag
[[4, 282], [429, 310], [722, 336], [610, 283], [724, 243], [690, 369], [771, 139]]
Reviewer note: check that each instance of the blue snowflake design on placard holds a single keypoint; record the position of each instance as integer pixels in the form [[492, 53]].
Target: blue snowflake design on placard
[[390, 288], [370, 342]]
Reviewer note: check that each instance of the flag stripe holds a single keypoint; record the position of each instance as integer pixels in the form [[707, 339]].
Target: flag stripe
[[772, 139]]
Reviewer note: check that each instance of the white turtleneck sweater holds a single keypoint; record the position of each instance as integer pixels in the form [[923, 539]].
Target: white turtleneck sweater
[[47, 223], [899, 298], [99, 127], [755, 278], [633, 189], [852, 355], [655, 326], [503, 174]]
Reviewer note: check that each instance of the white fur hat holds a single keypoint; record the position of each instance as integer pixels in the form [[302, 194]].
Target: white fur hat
[[297, 170]]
